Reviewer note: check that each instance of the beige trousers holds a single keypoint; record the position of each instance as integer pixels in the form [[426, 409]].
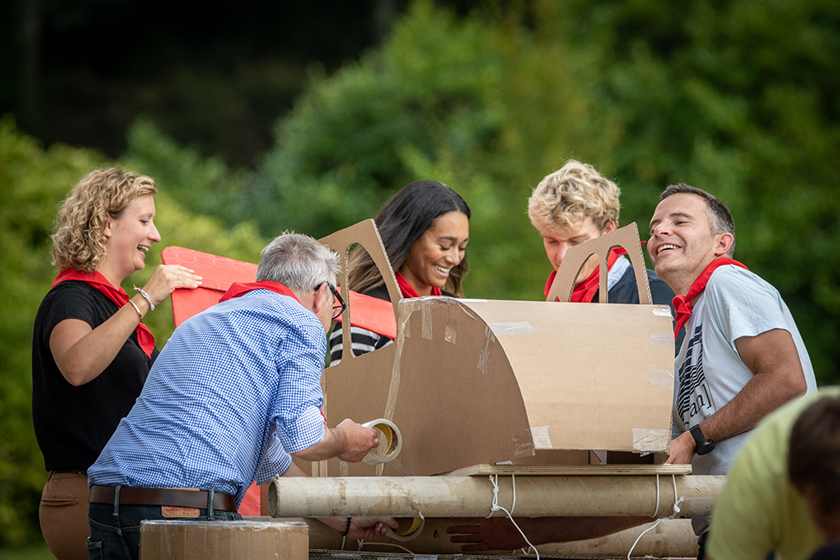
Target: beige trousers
[[64, 515]]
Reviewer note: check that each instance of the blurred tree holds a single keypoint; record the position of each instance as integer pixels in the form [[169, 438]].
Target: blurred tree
[[740, 99], [733, 97]]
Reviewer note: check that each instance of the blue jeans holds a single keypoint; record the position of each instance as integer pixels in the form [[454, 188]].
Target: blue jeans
[[115, 528]]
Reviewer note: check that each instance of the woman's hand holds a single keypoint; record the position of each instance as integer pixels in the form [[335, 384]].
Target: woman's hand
[[167, 278]]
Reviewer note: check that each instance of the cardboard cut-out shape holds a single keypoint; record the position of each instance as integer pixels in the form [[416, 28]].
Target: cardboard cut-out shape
[[477, 381], [628, 239], [376, 317]]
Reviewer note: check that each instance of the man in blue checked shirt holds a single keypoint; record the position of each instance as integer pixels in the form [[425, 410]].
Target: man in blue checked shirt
[[233, 395]]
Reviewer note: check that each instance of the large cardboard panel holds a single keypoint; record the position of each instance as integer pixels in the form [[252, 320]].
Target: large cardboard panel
[[224, 540], [591, 376]]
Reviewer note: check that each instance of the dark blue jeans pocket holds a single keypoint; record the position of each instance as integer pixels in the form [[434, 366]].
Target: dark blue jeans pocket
[[94, 549], [117, 539]]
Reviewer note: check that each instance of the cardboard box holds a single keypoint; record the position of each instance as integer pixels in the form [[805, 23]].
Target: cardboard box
[[262, 539], [482, 381]]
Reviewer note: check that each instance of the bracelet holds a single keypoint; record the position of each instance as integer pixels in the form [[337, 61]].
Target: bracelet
[[146, 297], [137, 309], [347, 529]]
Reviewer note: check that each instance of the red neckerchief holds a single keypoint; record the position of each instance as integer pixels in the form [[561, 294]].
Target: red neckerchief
[[682, 304], [119, 297], [241, 288], [408, 290], [585, 291]]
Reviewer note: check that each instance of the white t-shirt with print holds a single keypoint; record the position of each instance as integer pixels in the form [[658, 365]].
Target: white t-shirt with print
[[708, 370]]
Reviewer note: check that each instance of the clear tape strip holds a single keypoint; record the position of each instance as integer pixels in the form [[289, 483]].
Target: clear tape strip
[[502, 329], [650, 439], [661, 339], [661, 378]]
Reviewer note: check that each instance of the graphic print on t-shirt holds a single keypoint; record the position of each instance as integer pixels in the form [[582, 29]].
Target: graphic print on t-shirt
[[694, 397]]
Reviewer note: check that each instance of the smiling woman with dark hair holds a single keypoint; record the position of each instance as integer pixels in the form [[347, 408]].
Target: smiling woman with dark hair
[[425, 230]]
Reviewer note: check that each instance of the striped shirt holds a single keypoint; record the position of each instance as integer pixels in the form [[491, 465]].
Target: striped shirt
[[233, 393]]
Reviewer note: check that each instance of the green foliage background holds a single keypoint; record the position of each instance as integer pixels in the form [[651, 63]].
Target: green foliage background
[[736, 97]]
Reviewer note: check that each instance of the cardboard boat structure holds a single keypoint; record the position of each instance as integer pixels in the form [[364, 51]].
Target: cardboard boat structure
[[470, 382]]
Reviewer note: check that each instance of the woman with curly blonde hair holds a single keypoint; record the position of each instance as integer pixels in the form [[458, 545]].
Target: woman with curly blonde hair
[[91, 352]]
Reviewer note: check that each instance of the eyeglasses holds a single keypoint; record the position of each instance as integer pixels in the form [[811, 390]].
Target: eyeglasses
[[338, 304]]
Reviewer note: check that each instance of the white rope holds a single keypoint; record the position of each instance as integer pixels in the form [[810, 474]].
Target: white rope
[[656, 511], [513, 482], [494, 507], [677, 501], [363, 543]]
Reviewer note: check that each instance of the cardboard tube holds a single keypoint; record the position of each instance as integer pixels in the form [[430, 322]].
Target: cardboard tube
[[672, 538], [460, 496], [393, 440]]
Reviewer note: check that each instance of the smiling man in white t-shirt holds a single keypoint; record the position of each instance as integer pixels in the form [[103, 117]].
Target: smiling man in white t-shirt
[[742, 356]]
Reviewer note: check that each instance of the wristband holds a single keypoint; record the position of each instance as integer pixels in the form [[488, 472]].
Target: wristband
[[146, 297], [347, 529], [137, 309]]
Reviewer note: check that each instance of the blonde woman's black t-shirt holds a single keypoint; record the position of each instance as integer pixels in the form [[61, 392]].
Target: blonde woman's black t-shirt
[[73, 424]]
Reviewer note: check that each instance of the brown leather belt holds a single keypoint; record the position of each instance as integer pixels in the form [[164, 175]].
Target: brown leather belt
[[162, 497]]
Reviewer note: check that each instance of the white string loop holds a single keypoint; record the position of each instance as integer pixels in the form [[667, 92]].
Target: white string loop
[[494, 507], [676, 511]]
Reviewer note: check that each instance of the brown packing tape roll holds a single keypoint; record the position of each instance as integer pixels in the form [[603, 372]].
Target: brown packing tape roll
[[416, 527]]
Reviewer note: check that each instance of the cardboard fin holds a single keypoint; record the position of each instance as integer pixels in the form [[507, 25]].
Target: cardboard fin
[[372, 316], [627, 238]]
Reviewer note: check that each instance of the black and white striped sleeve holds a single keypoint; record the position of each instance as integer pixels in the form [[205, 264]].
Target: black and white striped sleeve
[[363, 341]]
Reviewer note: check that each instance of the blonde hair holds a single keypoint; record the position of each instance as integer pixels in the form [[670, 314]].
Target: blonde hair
[[79, 238], [565, 198]]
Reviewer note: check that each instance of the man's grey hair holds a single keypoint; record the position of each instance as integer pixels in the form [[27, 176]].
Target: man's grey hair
[[298, 262]]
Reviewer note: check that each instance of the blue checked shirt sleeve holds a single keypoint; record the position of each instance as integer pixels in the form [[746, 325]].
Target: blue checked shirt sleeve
[[297, 413], [275, 460]]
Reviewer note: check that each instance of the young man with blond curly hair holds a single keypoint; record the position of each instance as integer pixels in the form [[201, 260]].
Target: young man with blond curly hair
[[577, 204]]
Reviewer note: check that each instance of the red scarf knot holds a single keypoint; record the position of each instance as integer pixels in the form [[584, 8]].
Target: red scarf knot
[[682, 304]]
